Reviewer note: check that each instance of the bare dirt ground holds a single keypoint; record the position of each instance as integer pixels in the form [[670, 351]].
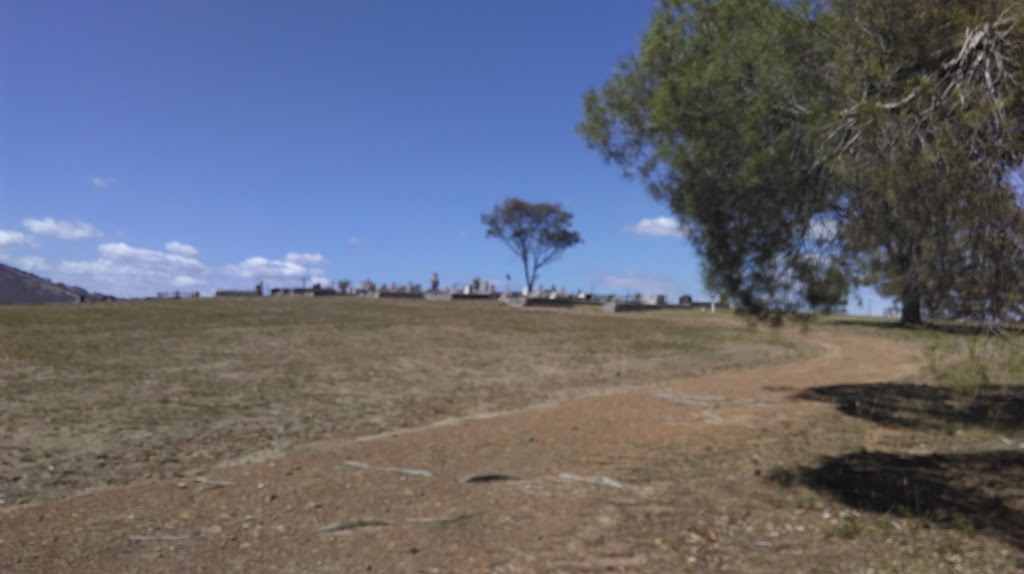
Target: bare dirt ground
[[714, 473]]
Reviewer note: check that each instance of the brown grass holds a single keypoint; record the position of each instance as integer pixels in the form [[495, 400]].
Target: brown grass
[[112, 393], [914, 476]]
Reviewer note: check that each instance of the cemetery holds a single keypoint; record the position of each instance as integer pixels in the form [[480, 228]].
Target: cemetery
[[476, 290]]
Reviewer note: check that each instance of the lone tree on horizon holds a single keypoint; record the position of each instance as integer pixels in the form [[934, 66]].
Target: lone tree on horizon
[[537, 233]]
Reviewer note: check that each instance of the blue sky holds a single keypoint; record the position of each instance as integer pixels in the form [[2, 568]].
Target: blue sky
[[161, 145]]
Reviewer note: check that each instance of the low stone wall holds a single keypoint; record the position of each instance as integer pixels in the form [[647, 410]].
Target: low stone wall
[[237, 294], [627, 307], [472, 296], [537, 302], [397, 295], [431, 296], [590, 302]]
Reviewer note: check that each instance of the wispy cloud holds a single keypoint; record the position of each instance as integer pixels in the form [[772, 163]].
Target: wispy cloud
[[183, 249], [658, 227], [128, 271], [10, 239], [638, 283], [101, 182], [305, 258], [263, 268], [354, 241], [32, 263], [51, 227], [124, 252], [187, 282]]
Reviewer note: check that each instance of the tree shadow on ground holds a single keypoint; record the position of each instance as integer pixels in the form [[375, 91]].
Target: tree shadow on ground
[[981, 492], [907, 405]]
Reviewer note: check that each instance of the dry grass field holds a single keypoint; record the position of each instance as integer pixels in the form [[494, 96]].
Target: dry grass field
[[113, 393], [856, 447]]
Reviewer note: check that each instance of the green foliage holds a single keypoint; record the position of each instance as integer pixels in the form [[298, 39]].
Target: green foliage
[[893, 124], [825, 284], [703, 115], [537, 233]]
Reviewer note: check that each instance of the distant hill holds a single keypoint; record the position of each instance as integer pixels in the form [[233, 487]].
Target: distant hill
[[19, 287]]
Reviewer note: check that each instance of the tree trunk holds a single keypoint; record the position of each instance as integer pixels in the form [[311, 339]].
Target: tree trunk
[[911, 310], [526, 271]]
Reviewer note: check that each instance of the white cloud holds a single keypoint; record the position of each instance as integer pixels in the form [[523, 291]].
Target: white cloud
[[60, 229], [97, 267], [31, 263], [305, 258], [102, 182], [638, 283], [183, 249], [125, 275], [10, 239], [127, 271], [263, 268], [321, 279], [185, 281], [124, 252], [658, 227]]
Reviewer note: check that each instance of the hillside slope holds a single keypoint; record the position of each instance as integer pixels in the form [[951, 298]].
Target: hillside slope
[[19, 287]]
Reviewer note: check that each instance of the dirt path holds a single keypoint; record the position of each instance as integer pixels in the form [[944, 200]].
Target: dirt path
[[551, 492]]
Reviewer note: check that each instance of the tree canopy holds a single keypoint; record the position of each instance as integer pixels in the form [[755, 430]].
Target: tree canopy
[[814, 145], [538, 233]]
